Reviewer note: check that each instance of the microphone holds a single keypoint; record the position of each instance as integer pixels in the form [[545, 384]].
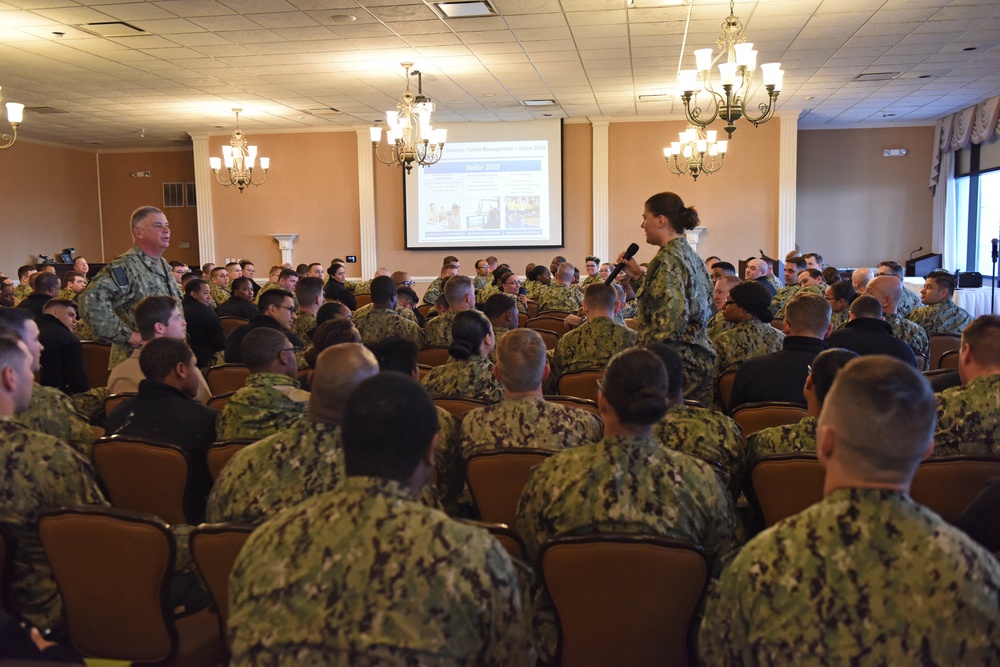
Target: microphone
[[916, 251], [994, 242], [632, 249]]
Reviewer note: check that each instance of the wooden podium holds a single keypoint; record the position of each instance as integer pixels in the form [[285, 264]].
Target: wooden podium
[[921, 266]]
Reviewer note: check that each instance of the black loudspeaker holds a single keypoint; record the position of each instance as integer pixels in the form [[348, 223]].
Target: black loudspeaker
[[970, 279]]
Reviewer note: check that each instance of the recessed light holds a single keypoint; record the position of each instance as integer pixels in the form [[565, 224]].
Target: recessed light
[[343, 19], [655, 97], [538, 103], [876, 76], [464, 9]]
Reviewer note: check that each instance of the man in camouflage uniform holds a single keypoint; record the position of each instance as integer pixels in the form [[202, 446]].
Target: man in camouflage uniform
[[218, 285], [940, 315], [309, 295], [893, 585], [720, 294], [461, 296], [969, 415], [472, 378], [23, 288], [270, 400], [364, 286], [303, 461], [592, 265], [595, 341], [366, 574], [39, 472], [888, 290], [793, 267], [908, 300], [74, 282], [108, 301], [810, 281], [287, 279], [435, 289], [751, 336], [482, 277], [382, 320], [563, 296]]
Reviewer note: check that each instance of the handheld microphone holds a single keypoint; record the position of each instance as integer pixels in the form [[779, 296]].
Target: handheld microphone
[[632, 249], [994, 242]]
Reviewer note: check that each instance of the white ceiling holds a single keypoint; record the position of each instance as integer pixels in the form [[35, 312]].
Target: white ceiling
[[282, 60]]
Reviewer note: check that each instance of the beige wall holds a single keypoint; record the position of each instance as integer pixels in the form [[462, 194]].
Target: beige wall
[[856, 207]]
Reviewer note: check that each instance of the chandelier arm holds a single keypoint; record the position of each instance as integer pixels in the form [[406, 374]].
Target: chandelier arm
[[693, 112], [8, 140], [225, 183], [767, 108]]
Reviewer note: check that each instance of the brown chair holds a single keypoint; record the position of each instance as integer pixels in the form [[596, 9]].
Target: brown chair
[[220, 401], [458, 406], [6, 569], [532, 309], [144, 476], [507, 537], [947, 484], [941, 343], [96, 358], [691, 403], [923, 364], [574, 402], [423, 369], [112, 401], [113, 569], [550, 320], [551, 338], [948, 360], [753, 417], [496, 479], [581, 383], [304, 377], [214, 548], [219, 453], [425, 309], [624, 599], [225, 378], [433, 356], [522, 319], [231, 324], [785, 484], [362, 299], [724, 388]]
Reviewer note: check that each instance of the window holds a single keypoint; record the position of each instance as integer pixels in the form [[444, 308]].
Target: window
[[173, 195], [977, 190]]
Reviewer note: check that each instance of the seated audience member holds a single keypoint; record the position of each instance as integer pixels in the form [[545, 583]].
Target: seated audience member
[[382, 320], [757, 270], [969, 415], [502, 313], [166, 411], [866, 333], [537, 280], [939, 314], [301, 461], [840, 295], [155, 317], [888, 290], [436, 288], [814, 260], [471, 375], [599, 338], [461, 297], [7, 299], [562, 296], [270, 400], [626, 482], [334, 310], [710, 261], [810, 281], [793, 267], [719, 269], [831, 275], [178, 270], [333, 332], [554, 264], [73, 284], [240, 303], [309, 295], [482, 277], [24, 288], [908, 300], [286, 280], [277, 312], [592, 265], [510, 284], [234, 270], [409, 304], [406, 299], [752, 334], [62, 353], [440, 306], [365, 286], [780, 376], [204, 330], [335, 289], [801, 436], [249, 270], [219, 285], [333, 593], [720, 294], [866, 575], [46, 287], [860, 278]]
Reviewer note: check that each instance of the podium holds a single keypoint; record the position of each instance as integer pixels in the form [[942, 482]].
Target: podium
[[921, 266]]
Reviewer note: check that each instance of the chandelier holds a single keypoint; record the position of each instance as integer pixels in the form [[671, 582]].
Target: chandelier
[[239, 159], [15, 112], [410, 135], [696, 153], [735, 77]]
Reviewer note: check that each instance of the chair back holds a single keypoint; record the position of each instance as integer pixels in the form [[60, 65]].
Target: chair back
[[624, 599], [219, 453], [214, 548], [753, 417], [112, 401], [507, 537], [220, 401], [96, 357], [231, 324], [532, 309], [724, 387], [948, 360], [497, 478], [423, 369], [581, 383], [522, 319], [6, 560], [458, 406], [425, 309], [550, 320], [144, 476], [923, 365], [551, 338], [948, 484], [225, 378], [362, 299], [574, 402], [433, 356], [785, 484], [941, 343]]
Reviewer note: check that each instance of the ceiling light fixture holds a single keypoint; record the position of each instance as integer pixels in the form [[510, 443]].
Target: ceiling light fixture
[[696, 153], [239, 159], [410, 135], [736, 78], [15, 113]]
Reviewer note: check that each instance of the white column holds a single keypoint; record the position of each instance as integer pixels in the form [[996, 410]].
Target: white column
[[203, 179], [366, 204], [787, 166], [693, 236], [600, 178], [285, 242]]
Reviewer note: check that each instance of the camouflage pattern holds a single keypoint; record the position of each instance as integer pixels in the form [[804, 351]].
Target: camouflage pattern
[[219, 294], [787, 439], [592, 343], [84, 331], [488, 291], [109, 308], [67, 293], [838, 320], [378, 324], [360, 287], [566, 298], [630, 310], [969, 418], [866, 576], [38, 472], [263, 288], [590, 279], [943, 317], [534, 288], [747, 339], [367, 576], [52, 412], [304, 326], [437, 330], [434, 290], [810, 289], [773, 280], [479, 282], [717, 324], [449, 468], [21, 292], [910, 333], [267, 403], [780, 298], [708, 435], [400, 310], [472, 378], [621, 484], [675, 300], [528, 421], [909, 302]]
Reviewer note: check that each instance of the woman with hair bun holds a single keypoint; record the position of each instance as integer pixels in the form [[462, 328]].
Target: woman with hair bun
[[840, 295], [471, 375], [674, 296], [748, 308]]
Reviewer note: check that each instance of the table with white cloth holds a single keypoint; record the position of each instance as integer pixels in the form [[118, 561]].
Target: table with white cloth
[[976, 300]]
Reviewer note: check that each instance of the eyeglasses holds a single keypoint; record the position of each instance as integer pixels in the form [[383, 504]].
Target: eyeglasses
[[513, 282], [293, 350], [407, 283], [290, 309]]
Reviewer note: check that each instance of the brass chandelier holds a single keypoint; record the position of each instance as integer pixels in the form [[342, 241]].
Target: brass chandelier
[[696, 153], [410, 136], [15, 113], [239, 160]]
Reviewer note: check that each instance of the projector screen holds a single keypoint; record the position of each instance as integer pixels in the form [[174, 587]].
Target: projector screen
[[498, 185]]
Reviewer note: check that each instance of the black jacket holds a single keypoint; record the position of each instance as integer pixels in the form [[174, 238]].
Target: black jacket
[[779, 376], [867, 335], [35, 302], [62, 358], [204, 330], [335, 291], [235, 308]]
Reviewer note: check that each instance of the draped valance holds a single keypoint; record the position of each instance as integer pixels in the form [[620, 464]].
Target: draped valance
[[973, 125]]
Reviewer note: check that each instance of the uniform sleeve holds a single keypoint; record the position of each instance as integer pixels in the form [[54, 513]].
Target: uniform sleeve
[[529, 515], [668, 305], [722, 638], [97, 307], [509, 634]]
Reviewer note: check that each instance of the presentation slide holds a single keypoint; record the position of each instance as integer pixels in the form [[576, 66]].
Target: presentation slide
[[498, 185]]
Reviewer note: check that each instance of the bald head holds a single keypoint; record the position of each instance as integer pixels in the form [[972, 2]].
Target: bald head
[[339, 369], [860, 278], [888, 290]]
